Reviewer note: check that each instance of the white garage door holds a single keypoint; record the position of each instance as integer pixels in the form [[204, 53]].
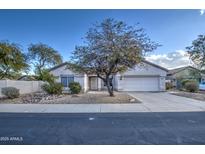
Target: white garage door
[[140, 84]]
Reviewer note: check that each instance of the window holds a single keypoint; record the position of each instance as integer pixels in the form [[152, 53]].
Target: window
[[66, 80]]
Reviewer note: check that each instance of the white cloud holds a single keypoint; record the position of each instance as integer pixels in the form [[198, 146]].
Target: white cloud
[[202, 11], [170, 60]]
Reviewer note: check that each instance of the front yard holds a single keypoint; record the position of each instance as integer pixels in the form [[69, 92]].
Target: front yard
[[87, 98], [197, 96]]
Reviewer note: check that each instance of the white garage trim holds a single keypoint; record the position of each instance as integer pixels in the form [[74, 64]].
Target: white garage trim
[[139, 76]]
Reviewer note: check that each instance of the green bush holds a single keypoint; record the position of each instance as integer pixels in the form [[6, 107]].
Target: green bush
[[75, 87], [10, 92], [53, 88], [169, 85], [191, 86], [184, 81], [45, 75]]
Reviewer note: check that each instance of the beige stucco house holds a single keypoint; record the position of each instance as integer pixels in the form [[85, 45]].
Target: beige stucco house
[[144, 77]]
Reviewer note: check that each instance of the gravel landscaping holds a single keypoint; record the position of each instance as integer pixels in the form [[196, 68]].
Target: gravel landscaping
[[88, 98], [197, 96]]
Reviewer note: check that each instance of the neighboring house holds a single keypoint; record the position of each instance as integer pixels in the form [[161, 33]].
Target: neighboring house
[[144, 77], [188, 72], [27, 78]]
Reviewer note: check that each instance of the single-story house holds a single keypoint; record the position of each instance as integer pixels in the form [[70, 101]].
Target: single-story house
[[188, 72], [144, 77]]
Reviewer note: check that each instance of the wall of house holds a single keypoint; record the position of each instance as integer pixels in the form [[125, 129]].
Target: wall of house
[[61, 71], [145, 69], [86, 83], [162, 83], [81, 78], [116, 79], [23, 86]]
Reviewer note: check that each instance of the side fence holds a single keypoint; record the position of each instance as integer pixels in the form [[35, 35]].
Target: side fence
[[23, 86]]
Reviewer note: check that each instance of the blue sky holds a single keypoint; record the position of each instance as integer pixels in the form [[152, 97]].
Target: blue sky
[[63, 29]]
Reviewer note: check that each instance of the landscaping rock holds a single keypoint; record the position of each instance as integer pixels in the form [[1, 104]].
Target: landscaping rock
[[132, 100], [88, 98]]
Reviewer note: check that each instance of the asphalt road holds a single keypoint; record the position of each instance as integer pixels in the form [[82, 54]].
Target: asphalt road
[[116, 128]]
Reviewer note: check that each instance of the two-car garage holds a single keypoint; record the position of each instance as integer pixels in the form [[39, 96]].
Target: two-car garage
[[145, 77], [138, 83]]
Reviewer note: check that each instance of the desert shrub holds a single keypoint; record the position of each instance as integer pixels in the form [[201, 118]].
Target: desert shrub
[[10, 92], [169, 85], [191, 86], [75, 87], [184, 81], [53, 88]]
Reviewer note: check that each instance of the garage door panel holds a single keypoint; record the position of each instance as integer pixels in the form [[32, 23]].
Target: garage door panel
[[141, 84]]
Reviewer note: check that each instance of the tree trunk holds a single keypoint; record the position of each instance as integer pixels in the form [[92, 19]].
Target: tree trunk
[[106, 80], [110, 90]]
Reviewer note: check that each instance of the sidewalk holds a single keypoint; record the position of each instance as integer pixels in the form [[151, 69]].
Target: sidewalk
[[71, 108], [91, 108]]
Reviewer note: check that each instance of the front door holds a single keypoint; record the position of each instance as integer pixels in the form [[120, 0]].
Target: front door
[[93, 83]]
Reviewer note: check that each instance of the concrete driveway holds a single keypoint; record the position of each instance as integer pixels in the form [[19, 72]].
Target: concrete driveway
[[166, 102]]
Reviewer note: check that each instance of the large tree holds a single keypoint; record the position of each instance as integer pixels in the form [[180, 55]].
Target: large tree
[[111, 47], [197, 52], [12, 60], [43, 57]]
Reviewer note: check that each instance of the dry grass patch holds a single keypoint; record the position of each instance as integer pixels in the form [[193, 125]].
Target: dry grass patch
[[95, 98]]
